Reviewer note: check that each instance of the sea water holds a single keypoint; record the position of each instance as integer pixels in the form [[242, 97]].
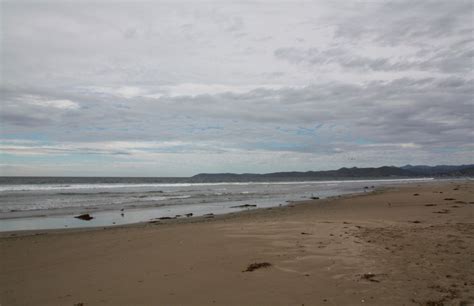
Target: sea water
[[52, 203]]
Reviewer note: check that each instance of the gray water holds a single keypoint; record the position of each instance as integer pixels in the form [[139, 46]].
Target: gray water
[[52, 204]]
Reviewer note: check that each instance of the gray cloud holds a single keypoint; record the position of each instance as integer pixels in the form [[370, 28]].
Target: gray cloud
[[429, 36], [447, 60], [403, 110], [311, 86], [405, 22]]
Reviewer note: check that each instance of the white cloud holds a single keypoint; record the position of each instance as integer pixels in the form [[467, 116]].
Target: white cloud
[[45, 102], [409, 145], [176, 90], [193, 89]]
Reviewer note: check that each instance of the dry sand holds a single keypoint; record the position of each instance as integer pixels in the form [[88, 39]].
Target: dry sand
[[390, 247]]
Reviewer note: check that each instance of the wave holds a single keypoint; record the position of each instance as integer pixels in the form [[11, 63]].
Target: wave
[[48, 187], [86, 204]]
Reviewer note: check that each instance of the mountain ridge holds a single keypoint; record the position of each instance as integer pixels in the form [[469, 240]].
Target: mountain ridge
[[407, 171]]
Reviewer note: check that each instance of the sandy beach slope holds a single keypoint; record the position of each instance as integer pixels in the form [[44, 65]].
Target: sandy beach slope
[[403, 245]]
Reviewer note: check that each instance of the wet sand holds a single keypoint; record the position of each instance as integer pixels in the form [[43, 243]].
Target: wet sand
[[403, 245]]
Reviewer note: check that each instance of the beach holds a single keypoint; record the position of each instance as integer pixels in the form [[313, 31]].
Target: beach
[[408, 244]]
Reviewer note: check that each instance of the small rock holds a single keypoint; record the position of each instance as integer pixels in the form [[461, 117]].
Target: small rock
[[85, 217]]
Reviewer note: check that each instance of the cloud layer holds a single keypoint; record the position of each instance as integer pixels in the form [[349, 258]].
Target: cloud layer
[[170, 89]]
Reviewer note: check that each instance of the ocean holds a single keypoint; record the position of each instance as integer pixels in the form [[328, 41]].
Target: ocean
[[37, 203]]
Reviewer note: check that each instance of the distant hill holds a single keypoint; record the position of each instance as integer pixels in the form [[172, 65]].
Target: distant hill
[[407, 171], [439, 170]]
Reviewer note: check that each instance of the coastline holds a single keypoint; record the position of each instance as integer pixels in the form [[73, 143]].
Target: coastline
[[198, 219], [349, 249], [173, 221], [194, 219], [134, 210]]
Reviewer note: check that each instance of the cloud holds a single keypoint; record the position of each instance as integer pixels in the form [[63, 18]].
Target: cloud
[[443, 61], [177, 90], [423, 111], [99, 148], [43, 102], [430, 36], [183, 87]]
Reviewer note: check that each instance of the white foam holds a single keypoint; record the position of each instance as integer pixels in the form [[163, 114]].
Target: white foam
[[164, 198], [45, 187]]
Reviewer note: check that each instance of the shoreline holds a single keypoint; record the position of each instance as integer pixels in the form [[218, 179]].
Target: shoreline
[[199, 219], [59, 219], [173, 221], [404, 244]]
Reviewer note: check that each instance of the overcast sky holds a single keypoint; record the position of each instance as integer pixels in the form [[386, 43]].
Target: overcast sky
[[176, 88]]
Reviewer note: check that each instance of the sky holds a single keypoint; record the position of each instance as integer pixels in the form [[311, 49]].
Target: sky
[[176, 88]]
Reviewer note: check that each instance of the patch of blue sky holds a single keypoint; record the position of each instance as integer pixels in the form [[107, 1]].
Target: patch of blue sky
[[301, 131], [282, 129], [197, 129], [305, 131], [122, 106], [362, 141], [444, 150], [273, 146], [94, 128], [169, 149], [52, 158], [25, 136]]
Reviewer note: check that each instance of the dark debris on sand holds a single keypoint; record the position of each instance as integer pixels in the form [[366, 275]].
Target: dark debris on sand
[[244, 206], [370, 277], [443, 211], [85, 217], [257, 265], [166, 218]]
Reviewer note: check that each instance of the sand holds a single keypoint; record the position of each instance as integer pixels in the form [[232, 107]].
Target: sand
[[403, 245]]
